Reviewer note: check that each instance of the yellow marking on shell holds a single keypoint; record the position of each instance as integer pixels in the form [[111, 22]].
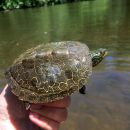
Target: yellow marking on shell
[[54, 85], [46, 82], [21, 82], [59, 86], [60, 63], [51, 88], [35, 78], [72, 83], [39, 70], [81, 80], [73, 78]]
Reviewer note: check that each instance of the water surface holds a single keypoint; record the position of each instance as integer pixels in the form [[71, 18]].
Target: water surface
[[99, 23]]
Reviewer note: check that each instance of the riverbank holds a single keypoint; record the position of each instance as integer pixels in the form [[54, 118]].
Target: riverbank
[[17, 4]]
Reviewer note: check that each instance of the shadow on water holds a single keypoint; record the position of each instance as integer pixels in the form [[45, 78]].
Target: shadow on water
[[99, 23]]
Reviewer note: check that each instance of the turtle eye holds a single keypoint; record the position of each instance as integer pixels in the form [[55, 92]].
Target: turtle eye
[[101, 53]]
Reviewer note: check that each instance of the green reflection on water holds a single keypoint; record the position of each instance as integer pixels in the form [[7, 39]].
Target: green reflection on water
[[99, 23], [92, 22]]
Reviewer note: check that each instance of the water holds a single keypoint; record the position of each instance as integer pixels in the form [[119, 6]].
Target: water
[[99, 23]]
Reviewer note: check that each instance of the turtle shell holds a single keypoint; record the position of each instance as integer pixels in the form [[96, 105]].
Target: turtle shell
[[50, 71]]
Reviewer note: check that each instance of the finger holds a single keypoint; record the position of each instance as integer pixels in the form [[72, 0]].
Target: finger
[[43, 122], [57, 114], [65, 102]]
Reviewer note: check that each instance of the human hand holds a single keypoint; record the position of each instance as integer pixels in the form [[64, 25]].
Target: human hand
[[50, 115], [13, 115]]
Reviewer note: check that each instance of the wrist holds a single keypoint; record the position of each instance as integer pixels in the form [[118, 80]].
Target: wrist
[[5, 122], [6, 125]]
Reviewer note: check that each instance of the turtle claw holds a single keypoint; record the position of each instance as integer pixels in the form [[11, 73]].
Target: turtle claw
[[27, 105]]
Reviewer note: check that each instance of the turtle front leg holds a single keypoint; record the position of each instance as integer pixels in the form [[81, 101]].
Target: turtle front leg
[[83, 90]]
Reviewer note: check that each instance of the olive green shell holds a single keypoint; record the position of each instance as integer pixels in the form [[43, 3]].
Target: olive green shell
[[50, 71]]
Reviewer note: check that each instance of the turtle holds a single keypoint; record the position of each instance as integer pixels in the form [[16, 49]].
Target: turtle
[[52, 71]]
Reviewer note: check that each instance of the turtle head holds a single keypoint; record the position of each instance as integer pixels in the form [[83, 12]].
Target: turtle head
[[98, 56]]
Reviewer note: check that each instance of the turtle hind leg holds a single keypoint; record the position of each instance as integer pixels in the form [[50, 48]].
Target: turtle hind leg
[[83, 90]]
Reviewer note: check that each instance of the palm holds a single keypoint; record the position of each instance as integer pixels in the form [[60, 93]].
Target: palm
[[45, 116], [17, 112]]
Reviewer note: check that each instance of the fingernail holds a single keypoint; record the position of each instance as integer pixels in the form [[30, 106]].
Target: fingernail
[[33, 115]]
